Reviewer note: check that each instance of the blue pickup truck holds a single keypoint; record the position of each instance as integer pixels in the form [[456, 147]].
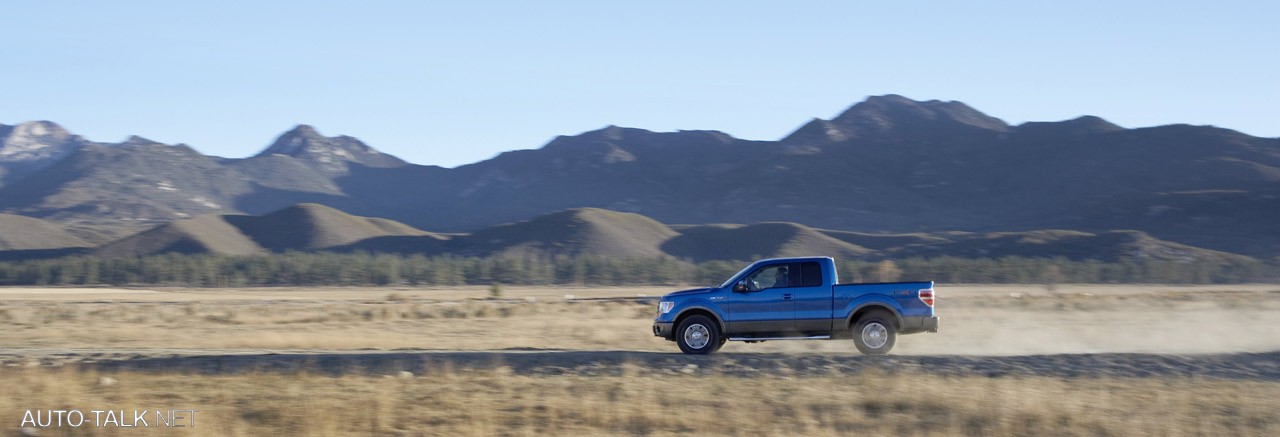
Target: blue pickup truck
[[795, 298]]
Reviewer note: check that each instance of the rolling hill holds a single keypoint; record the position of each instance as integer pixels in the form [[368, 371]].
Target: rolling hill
[[587, 231], [598, 232], [26, 233], [311, 226], [762, 240], [209, 233], [1110, 246], [305, 227]]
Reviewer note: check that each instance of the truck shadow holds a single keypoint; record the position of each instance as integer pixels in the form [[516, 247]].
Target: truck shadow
[[1263, 366], [522, 361]]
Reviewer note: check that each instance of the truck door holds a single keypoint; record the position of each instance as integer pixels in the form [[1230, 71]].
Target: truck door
[[766, 306], [812, 299]]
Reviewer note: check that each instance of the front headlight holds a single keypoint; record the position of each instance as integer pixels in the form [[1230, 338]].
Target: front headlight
[[665, 306]]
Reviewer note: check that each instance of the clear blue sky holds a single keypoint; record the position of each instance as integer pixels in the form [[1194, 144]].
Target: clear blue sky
[[450, 83]]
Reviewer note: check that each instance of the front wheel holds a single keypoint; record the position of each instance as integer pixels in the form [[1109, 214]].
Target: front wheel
[[698, 335], [875, 333]]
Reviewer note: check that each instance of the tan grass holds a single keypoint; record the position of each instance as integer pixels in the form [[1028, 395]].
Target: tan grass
[[976, 320], [499, 403], [377, 323]]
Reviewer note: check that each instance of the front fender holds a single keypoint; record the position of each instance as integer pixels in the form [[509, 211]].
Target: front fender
[[682, 308]]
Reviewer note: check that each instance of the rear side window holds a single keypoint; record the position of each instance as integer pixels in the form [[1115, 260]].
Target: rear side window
[[810, 274]]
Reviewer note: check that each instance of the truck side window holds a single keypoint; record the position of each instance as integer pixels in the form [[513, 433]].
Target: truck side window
[[769, 277], [810, 274], [782, 278]]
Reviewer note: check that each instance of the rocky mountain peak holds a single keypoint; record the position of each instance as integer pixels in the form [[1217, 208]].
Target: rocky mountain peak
[[613, 132], [137, 141], [39, 129], [296, 141], [893, 115], [304, 129], [35, 140], [31, 135], [1093, 123], [890, 111], [1087, 124], [329, 154]]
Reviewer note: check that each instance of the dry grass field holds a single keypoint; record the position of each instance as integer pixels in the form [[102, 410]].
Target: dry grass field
[[500, 403], [51, 338]]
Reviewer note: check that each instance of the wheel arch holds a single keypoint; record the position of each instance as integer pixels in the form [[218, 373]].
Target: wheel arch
[[693, 311], [868, 307]]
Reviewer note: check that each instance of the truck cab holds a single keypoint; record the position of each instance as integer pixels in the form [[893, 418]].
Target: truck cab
[[795, 299]]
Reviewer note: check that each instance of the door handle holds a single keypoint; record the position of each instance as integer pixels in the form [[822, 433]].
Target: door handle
[[786, 296]]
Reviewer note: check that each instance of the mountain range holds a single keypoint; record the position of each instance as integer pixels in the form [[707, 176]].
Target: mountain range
[[888, 166]]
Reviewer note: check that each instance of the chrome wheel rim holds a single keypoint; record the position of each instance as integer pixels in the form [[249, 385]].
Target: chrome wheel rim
[[875, 335], [697, 336]]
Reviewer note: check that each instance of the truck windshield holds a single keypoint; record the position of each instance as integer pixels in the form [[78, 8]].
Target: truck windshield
[[729, 283]]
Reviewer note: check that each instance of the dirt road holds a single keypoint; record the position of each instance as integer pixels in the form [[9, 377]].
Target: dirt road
[[1263, 366], [1076, 330]]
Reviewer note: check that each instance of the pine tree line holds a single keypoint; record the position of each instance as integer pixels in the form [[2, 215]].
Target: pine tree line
[[364, 269]]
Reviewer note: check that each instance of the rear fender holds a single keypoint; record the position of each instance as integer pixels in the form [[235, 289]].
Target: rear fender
[[872, 302]]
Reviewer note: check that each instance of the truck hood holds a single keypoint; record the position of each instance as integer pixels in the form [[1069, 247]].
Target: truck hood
[[689, 292]]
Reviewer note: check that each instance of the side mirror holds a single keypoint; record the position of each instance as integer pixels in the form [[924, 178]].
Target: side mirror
[[740, 287]]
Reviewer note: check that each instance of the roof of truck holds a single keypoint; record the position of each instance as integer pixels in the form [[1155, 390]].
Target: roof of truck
[[794, 258]]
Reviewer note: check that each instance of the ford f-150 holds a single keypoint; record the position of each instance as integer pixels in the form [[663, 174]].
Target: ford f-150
[[795, 298]]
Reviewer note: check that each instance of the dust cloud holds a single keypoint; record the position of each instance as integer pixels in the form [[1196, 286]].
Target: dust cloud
[[1028, 320]]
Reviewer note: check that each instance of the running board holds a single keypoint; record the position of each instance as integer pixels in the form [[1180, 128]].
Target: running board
[[816, 337]]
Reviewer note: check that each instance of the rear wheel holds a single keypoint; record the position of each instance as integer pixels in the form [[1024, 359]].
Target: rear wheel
[[875, 333], [698, 335]]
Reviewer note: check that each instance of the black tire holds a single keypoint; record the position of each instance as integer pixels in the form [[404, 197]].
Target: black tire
[[702, 332], [875, 333], [719, 344]]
